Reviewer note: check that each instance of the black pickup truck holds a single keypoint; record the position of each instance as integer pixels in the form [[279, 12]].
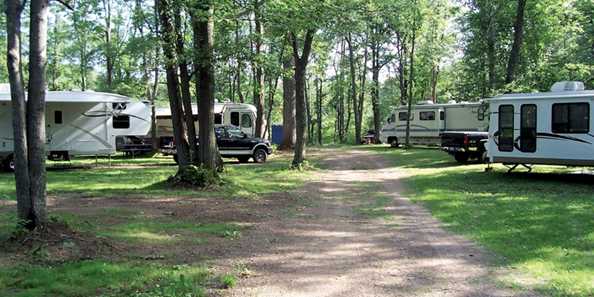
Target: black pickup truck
[[464, 145], [232, 143]]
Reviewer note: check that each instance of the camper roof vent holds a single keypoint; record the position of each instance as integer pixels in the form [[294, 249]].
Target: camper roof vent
[[567, 86]]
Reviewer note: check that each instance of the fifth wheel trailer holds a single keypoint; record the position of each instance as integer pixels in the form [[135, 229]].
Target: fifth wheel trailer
[[79, 124], [549, 128], [429, 121], [227, 113]]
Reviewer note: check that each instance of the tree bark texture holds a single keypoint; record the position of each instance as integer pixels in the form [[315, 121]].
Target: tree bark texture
[[289, 125], [300, 76], [516, 51]]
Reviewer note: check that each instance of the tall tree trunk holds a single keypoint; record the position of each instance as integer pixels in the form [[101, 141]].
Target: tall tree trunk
[[300, 76], [19, 108], [289, 125], [375, 71], [353, 93], [173, 91], [153, 96], [516, 51], [319, 97], [258, 71], [363, 80], [108, 43], [308, 111], [36, 109], [434, 80], [203, 25], [184, 76], [411, 83], [239, 63]]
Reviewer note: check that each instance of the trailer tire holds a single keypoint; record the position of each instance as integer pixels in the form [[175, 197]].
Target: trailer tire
[[175, 159], [8, 164], [461, 157], [393, 141]]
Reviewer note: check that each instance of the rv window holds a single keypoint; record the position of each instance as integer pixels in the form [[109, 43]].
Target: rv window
[[58, 117], [118, 106], [442, 115], [246, 121], [506, 128], [528, 128], [427, 115], [218, 119], [571, 118], [121, 122], [402, 116], [235, 118]]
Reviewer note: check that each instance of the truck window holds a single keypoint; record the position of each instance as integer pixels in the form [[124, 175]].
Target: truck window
[[427, 115], [121, 122], [442, 115], [571, 118], [403, 115], [506, 128], [235, 118], [246, 121]]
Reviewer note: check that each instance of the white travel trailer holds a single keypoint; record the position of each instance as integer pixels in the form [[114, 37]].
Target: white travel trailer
[[236, 114], [79, 123], [429, 121], [553, 128]]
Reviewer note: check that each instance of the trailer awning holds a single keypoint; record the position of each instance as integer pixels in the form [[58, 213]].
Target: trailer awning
[[77, 96]]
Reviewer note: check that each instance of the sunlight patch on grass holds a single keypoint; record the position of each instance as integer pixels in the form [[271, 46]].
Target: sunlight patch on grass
[[92, 278], [540, 222]]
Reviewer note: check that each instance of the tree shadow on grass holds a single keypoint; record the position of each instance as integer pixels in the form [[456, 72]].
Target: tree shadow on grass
[[541, 219]]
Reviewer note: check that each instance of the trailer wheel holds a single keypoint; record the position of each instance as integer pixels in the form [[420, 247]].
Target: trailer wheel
[[260, 155], [461, 157], [8, 164], [175, 159], [393, 141]]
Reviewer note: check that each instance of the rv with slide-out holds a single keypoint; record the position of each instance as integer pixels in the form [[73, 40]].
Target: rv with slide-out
[[552, 128], [79, 124]]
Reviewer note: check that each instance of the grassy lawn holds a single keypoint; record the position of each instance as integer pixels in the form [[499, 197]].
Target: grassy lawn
[[159, 252], [540, 223], [143, 177]]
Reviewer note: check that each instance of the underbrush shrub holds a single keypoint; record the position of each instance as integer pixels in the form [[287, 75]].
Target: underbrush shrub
[[196, 176]]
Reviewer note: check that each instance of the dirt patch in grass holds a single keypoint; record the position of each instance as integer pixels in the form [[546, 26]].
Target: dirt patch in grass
[[54, 243]]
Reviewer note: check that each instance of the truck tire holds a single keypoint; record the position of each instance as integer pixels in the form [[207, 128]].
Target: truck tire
[[260, 155], [461, 157]]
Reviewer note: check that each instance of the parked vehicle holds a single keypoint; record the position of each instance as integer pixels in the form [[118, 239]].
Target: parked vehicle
[[79, 124], [465, 145], [233, 143], [429, 121], [552, 128], [234, 114]]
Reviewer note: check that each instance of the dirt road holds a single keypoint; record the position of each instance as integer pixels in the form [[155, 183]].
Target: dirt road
[[356, 234]]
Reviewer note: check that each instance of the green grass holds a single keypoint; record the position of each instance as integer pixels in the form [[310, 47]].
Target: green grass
[[541, 223], [141, 178], [146, 179], [99, 278]]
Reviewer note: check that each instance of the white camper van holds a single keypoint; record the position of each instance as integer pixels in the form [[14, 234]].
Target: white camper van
[[79, 123], [553, 128], [429, 121], [236, 114]]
